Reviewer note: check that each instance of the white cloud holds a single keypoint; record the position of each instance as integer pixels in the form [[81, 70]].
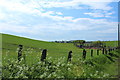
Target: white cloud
[[59, 13], [2, 15], [65, 21], [60, 22], [14, 6], [12, 28], [29, 8], [113, 30], [95, 14], [100, 14], [77, 4], [73, 24], [98, 5], [30, 5], [37, 7]]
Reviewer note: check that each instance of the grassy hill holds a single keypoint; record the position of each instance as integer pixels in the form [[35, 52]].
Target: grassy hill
[[111, 43], [32, 52], [56, 50]]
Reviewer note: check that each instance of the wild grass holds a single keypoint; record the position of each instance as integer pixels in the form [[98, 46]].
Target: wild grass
[[56, 65]]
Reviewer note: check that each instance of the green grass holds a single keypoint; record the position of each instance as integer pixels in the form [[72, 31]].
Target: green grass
[[53, 48], [55, 51], [111, 43]]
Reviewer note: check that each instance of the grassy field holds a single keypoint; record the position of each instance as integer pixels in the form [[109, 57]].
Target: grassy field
[[55, 50], [111, 43], [32, 51]]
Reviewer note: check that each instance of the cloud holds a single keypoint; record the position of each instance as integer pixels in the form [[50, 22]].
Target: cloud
[[52, 31], [2, 15], [27, 8], [15, 6], [113, 30], [78, 4], [26, 17], [36, 8], [59, 13], [65, 22], [12, 28], [100, 14], [69, 24], [29, 5]]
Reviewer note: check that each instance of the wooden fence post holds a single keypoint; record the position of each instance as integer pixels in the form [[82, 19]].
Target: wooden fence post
[[69, 56], [24, 57], [109, 50], [106, 51], [20, 52], [92, 53], [97, 51], [113, 49], [44, 53], [84, 54], [103, 50]]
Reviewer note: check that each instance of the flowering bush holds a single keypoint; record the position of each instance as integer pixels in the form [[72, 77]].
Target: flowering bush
[[56, 68], [46, 69]]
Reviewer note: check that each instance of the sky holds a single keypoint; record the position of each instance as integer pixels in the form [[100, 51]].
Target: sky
[[51, 20]]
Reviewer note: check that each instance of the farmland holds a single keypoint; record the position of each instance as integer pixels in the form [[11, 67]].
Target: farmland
[[57, 54]]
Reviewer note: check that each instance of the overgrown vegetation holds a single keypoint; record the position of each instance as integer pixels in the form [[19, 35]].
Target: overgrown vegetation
[[56, 65], [96, 67]]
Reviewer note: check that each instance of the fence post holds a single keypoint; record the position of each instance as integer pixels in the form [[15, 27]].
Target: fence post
[[106, 51], [84, 54], [109, 50], [20, 52], [103, 50], [113, 49], [69, 56], [44, 53], [97, 51], [24, 57], [92, 53]]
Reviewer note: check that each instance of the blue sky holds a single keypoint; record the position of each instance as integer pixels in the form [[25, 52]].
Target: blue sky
[[51, 20]]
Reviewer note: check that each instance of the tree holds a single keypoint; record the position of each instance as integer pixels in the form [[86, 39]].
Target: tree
[[79, 42], [98, 44]]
